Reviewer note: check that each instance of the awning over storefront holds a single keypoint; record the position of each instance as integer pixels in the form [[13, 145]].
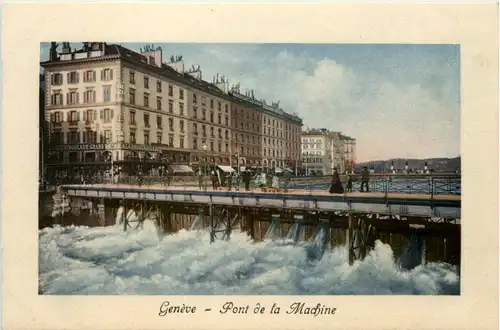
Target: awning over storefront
[[278, 170], [181, 169], [289, 170], [227, 169]]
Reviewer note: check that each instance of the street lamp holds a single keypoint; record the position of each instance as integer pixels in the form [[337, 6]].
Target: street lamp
[[205, 155]]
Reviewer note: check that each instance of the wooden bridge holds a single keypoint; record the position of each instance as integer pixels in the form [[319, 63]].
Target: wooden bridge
[[363, 216]]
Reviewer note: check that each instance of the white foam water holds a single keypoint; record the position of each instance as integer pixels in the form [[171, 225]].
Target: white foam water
[[108, 261]]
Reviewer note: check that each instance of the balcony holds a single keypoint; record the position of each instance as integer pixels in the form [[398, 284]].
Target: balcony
[[195, 133], [132, 123], [159, 127], [56, 124], [73, 123], [147, 125]]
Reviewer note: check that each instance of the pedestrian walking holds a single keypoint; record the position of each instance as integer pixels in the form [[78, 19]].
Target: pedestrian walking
[[365, 178], [336, 185]]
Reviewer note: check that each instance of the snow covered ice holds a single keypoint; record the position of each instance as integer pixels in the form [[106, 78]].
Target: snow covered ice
[[108, 261]]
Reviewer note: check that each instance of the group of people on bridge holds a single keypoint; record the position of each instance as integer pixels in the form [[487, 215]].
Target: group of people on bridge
[[336, 186]]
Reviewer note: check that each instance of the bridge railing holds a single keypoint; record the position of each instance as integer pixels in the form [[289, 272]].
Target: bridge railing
[[407, 184], [436, 184]]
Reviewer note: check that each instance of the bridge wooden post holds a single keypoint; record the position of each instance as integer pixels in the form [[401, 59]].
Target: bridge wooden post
[[101, 213], [125, 215], [350, 239], [362, 239], [166, 219], [213, 226]]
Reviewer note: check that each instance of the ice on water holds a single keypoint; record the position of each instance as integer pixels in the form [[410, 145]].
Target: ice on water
[[109, 261]]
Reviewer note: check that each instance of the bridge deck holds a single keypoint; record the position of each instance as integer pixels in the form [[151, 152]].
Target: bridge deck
[[290, 192], [372, 202]]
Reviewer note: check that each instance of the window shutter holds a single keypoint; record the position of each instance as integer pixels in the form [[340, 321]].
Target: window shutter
[[84, 138], [52, 117], [111, 114], [68, 77], [84, 115], [67, 98], [77, 97], [78, 116], [95, 114], [52, 98], [111, 74], [67, 116], [78, 77], [102, 74], [101, 114], [93, 97], [93, 75]]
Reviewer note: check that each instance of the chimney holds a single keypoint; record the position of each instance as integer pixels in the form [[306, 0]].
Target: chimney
[[153, 55], [223, 86], [66, 49], [176, 63], [53, 51]]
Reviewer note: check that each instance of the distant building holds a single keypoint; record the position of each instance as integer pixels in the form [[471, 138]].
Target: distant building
[[349, 145], [317, 152], [324, 150]]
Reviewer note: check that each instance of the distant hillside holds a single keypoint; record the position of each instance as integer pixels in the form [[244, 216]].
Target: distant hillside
[[436, 164]]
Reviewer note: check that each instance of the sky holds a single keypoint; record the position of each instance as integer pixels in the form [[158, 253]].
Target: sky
[[397, 101]]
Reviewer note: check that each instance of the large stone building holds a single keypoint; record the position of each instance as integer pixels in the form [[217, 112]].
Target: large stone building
[[107, 106], [106, 103]]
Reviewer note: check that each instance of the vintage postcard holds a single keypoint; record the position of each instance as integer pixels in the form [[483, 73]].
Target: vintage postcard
[[271, 180]]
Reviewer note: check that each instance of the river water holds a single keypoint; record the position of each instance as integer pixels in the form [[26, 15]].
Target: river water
[[107, 261]]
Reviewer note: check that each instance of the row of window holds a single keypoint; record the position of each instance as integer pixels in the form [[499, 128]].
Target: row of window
[[159, 121], [212, 131], [241, 114], [212, 119], [210, 146], [279, 124], [105, 115], [314, 160], [73, 77], [312, 146], [146, 85], [159, 139], [241, 138], [280, 134], [204, 103], [73, 96], [159, 102], [75, 137], [255, 128]]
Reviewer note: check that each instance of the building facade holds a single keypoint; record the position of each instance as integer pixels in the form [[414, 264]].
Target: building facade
[[317, 152], [246, 128], [349, 146], [277, 132], [109, 107], [323, 151]]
